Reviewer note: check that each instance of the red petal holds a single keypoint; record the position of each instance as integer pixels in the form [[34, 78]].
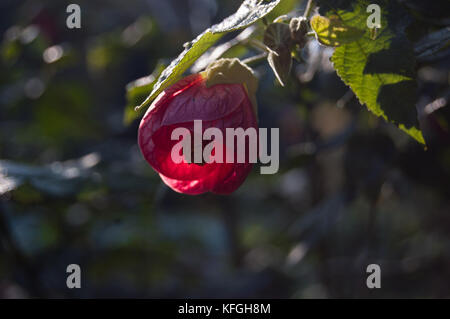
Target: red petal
[[221, 106]]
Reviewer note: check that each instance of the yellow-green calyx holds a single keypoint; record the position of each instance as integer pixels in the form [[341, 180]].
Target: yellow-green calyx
[[232, 71]]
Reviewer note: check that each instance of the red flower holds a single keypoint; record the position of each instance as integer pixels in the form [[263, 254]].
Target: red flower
[[222, 97]]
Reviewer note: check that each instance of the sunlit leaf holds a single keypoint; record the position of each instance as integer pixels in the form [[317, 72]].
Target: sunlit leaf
[[380, 71], [332, 32]]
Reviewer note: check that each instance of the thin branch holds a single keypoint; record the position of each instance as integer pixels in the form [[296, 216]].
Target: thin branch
[[309, 7], [258, 45], [255, 59]]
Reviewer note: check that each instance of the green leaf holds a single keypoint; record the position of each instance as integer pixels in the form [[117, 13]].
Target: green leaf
[[249, 12], [281, 64], [332, 32], [137, 91], [380, 70]]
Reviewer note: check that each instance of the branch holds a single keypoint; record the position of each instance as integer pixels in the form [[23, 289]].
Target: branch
[[308, 9]]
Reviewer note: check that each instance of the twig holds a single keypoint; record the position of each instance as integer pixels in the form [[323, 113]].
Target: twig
[[258, 45], [308, 9], [255, 59]]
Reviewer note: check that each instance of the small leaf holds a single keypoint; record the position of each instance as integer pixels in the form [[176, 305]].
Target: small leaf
[[281, 64], [249, 12], [332, 32], [277, 36]]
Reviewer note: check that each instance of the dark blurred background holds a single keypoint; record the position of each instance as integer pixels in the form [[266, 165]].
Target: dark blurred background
[[74, 188]]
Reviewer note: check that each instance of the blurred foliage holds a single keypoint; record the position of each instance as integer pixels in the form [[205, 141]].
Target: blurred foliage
[[352, 190]]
